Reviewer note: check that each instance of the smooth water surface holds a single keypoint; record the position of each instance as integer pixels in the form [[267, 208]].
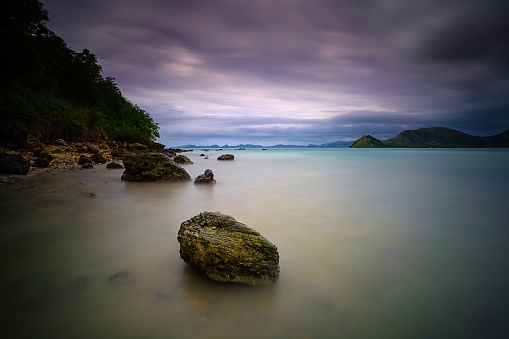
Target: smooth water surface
[[374, 243]]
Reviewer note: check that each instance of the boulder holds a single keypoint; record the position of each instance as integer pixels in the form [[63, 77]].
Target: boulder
[[87, 165], [227, 250], [14, 164], [206, 178], [182, 159], [226, 157], [152, 167]]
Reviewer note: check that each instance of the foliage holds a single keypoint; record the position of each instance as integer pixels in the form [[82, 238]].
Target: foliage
[[51, 91]]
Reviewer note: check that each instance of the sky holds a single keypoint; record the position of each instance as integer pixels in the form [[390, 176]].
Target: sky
[[299, 71]]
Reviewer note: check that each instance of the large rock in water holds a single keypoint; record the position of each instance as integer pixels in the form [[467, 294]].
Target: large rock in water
[[152, 167], [227, 250]]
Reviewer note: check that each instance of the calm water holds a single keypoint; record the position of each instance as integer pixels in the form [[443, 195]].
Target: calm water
[[373, 244]]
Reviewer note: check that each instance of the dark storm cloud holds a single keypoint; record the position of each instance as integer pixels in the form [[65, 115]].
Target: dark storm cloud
[[299, 71]]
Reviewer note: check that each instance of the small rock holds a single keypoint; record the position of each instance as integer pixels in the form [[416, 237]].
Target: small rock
[[206, 178], [60, 142], [137, 147], [87, 165], [43, 159], [226, 157], [182, 159], [120, 278], [84, 160], [114, 165], [98, 158]]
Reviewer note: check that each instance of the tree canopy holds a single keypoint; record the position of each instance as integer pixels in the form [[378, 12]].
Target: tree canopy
[[50, 91]]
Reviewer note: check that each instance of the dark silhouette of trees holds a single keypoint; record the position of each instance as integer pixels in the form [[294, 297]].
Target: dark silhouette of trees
[[48, 90]]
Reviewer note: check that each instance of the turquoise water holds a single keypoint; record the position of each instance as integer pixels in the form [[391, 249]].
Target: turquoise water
[[386, 243]]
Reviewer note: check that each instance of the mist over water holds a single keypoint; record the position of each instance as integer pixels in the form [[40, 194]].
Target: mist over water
[[384, 243]]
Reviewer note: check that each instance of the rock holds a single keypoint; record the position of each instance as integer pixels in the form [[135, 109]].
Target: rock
[[117, 153], [227, 250], [152, 167], [14, 164], [99, 158], [137, 147], [60, 142], [182, 159], [87, 165], [202, 155], [43, 159], [226, 157], [114, 165], [205, 178], [120, 278], [84, 160], [92, 148]]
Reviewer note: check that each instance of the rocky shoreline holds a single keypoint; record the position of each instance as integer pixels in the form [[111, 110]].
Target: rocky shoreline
[[62, 156]]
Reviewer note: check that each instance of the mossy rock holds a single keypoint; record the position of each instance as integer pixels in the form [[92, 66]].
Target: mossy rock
[[152, 167], [228, 251]]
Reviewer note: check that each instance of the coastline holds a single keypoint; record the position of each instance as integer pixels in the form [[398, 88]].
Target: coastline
[[65, 156]]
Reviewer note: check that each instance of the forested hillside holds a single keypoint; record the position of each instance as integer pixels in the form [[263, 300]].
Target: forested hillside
[[49, 91], [439, 137]]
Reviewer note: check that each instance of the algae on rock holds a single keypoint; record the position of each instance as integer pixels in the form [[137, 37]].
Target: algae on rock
[[227, 250]]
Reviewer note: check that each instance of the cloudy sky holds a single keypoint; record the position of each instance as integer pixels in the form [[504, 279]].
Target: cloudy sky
[[299, 71]]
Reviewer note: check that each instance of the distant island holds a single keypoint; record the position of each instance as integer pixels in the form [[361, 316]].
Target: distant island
[[336, 144], [434, 137]]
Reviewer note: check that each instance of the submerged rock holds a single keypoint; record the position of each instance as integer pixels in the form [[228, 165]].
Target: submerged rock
[[206, 178], [152, 167], [226, 157], [227, 250]]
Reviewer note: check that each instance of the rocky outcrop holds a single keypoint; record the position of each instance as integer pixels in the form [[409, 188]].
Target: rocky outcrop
[[152, 167], [182, 159], [206, 178], [227, 250], [226, 157], [14, 164]]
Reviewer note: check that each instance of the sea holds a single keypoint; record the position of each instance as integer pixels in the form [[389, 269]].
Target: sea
[[373, 243]]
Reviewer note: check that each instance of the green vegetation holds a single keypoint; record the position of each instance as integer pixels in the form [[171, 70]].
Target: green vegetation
[[49, 91], [439, 137], [367, 141]]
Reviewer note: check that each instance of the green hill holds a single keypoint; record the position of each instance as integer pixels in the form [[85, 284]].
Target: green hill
[[367, 141], [439, 137], [48, 91]]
